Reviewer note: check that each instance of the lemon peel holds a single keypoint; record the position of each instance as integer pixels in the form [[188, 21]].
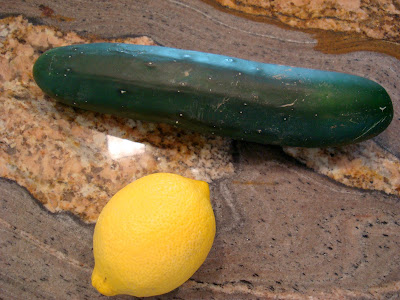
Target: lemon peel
[[152, 236]]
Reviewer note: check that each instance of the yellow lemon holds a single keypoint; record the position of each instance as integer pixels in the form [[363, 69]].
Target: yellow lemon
[[152, 236]]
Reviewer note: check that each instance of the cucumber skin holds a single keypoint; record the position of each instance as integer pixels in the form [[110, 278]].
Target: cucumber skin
[[216, 94]]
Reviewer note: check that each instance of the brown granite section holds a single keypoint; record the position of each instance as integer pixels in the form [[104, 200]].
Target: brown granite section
[[291, 232], [75, 160], [334, 25], [364, 165], [375, 19]]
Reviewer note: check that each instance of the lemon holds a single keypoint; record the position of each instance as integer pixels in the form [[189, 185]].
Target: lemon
[[152, 236]]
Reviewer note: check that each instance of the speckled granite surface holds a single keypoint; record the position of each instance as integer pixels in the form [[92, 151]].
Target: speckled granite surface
[[282, 233], [287, 227], [75, 160], [364, 165]]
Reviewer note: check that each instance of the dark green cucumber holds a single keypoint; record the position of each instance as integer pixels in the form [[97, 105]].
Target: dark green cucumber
[[215, 94]]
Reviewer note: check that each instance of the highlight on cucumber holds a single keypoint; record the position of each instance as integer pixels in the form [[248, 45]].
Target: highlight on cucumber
[[216, 94]]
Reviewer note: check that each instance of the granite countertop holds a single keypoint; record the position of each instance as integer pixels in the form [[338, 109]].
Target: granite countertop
[[292, 223]]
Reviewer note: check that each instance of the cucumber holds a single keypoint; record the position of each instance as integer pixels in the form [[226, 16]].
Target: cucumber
[[216, 94]]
